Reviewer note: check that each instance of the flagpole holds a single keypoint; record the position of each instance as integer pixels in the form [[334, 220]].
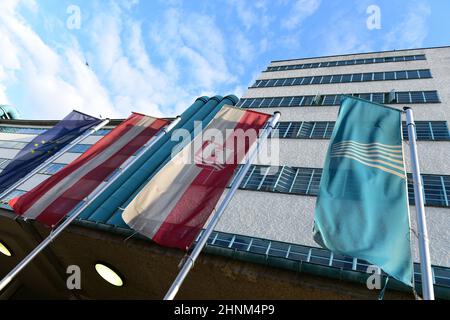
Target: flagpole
[[424, 243], [54, 157], [88, 200], [190, 260]]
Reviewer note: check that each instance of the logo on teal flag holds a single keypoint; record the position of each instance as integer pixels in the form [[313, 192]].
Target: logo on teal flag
[[362, 207]]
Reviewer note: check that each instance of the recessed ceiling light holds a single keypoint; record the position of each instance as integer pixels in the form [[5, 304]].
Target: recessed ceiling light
[[4, 250], [108, 274]]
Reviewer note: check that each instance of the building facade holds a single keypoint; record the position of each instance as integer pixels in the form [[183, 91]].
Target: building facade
[[263, 246]]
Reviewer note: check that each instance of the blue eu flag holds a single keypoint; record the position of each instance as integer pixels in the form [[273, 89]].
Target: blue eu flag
[[44, 146]]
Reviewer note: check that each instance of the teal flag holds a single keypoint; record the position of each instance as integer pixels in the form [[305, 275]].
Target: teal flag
[[362, 207]]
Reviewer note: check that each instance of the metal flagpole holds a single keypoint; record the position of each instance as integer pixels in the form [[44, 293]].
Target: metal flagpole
[[54, 157], [190, 260], [424, 247], [88, 200]]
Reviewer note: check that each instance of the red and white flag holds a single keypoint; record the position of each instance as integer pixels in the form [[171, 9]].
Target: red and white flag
[[53, 199], [174, 206]]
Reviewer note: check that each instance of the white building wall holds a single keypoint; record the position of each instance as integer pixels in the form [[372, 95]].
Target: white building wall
[[289, 218]]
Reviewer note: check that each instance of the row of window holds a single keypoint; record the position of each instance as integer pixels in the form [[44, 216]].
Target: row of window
[[351, 62], [306, 181], [344, 78], [426, 130], [24, 130], [408, 97], [79, 148], [305, 254]]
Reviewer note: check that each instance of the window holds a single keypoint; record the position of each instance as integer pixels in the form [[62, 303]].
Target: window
[[378, 76], [308, 101], [305, 254], [307, 80], [13, 194], [22, 130], [52, 168], [12, 145], [343, 78], [416, 97], [346, 78], [426, 130], [329, 100], [401, 75], [357, 77], [80, 148], [326, 79], [430, 130], [413, 74], [336, 79], [424, 74], [256, 103], [431, 97], [389, 76], [347, 63], [306, 181], [403, 97], [297, 81], [4, 163], [317, 80], [259, 246], [367, 77], [378, 97], [289, 82]]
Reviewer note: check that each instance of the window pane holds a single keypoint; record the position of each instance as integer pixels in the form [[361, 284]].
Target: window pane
[[378, 76], [413, 74], [289, 82], [329, 100], [336, 79], [431, 96], [403, 97], [378, 97], [417, 97], [80, 148], [316, 80], [389, 76], [52, 168], [367, 76], [326, 79], [307, 80], [401, 75], [346, 78], [357, 77], [425, 74]]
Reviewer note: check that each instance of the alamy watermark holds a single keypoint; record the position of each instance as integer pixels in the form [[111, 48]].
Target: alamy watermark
[[374, 20], [73, 21], [215, 149], [374, 280], [73, 281]]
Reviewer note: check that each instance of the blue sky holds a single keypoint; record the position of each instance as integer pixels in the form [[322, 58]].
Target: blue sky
[[157, 56]]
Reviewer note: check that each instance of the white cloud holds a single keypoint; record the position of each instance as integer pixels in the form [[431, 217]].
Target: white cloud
[[300, 10], [53, 83], [412, 30]]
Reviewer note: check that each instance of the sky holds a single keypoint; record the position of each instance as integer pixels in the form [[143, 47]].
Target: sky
[[110, 57]]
